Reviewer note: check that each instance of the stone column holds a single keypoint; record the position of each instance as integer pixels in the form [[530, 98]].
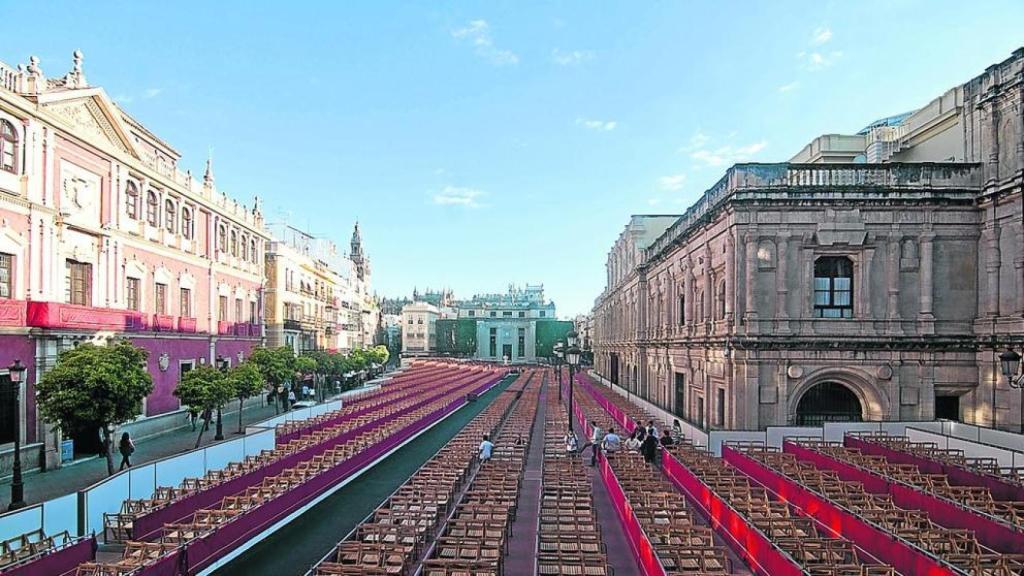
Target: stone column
[[781, 278], [865, 285], [750, 269], [690, 278], [730, 278], [925, 318], [993, 262], [709, 290], [893, 274]]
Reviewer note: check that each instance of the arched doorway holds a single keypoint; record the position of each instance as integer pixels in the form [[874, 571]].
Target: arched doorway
[[828, 402]]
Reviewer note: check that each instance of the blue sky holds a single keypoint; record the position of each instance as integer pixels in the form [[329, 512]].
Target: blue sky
[[483, 143]]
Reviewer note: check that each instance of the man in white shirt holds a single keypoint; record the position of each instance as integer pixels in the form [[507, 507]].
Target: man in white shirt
[[596, 436], [612, 441], [486, 447]]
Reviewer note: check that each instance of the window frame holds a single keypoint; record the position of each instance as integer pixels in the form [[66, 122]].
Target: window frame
[[160, 298], [826, 294], [71, 267], [133, 293], [133, 201], [186, 222], [170, 216], [185, 302], [6, 275], [152, 209], [9, 137]]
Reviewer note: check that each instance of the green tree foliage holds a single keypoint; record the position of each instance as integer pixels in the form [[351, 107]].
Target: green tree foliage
[[95, 387], [379, 354], [277, 365], [549, 332], [207, 389], [456, 336], [246, 381]]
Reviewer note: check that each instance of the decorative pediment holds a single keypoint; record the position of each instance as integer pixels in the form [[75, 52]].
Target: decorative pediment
[[90, 114]]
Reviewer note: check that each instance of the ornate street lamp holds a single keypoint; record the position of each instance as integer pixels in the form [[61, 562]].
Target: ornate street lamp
[[222, 365], [16, 375], [572, 357], [557, 350], [1010, 363]]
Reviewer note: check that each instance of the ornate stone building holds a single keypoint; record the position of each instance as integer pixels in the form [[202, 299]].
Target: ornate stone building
[[877, 276]]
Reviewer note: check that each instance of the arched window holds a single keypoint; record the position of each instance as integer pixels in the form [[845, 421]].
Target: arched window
[[721, 300], [131, 200], [234, 244], [682, 308], [698, 314], [222, 238], [833, 287], [245, 247], [186, 223], [152, 209], [170, 216], [252, 252], [8, 147]]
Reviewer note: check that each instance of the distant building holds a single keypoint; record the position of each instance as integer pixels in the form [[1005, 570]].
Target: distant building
[[506, 323], [419, 329]]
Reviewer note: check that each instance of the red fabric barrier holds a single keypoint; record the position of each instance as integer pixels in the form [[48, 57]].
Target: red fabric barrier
[[883, 545], [58, 562], [639, 544], [989, 531], [149, 526], [958, 476]]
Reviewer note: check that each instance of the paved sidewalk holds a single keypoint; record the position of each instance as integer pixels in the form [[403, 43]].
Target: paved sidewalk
[[40, 486]]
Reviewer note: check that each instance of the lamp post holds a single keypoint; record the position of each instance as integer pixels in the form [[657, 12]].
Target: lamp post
[[16, 374], [1010, 363], [557, 350], [572, 358], [222, 365]]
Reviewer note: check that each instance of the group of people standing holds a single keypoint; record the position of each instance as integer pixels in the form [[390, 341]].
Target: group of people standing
[[645, 439]]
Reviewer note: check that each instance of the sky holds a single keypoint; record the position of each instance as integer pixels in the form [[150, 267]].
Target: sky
[[480, 144]]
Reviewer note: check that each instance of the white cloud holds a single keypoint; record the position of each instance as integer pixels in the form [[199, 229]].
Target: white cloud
[[571, 57], [697, 141], [152, 92], [789, 87], [821, 35], [478, 34], [598, 125], [458, 196], [672, 183], [728, 155], [123, 99], [817, 61], [653, 201]]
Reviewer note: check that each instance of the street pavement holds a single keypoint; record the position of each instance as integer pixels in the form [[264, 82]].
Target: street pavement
[[41, 486]]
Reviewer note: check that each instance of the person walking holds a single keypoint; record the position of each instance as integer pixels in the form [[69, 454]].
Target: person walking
[[677, 429], [649, 448], [192, 416], [572, 444], [596, 436], [640, 431], [127, 448], [291, 397], [486, 448]]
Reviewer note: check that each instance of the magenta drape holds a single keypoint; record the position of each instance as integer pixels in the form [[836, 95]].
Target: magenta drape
[[58, 562]]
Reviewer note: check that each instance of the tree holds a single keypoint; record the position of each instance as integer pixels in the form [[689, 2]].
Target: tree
[[307, 365], [95, 387], [380, 355], [246, 381], [276, 365], [207, 389]]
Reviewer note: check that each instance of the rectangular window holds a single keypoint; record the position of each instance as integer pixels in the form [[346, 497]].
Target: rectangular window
[[186, 303], [160, 298], [494, 314], [833, 287], [252, 312], [720, 408], [222, 309], [6, 277], [543, 313], [522, 342], [78, 283], [494, 342], [682, 309], [506, 314], [522, 314], [133, 288], [238, 310], [471, 313]]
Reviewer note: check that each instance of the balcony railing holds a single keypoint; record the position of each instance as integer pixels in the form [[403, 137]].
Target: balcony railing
[[819, 180], [163, 323], [186, 325], [59, 315]]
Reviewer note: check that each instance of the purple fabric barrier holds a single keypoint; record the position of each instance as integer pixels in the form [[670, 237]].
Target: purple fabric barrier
[[957, 476], [202, 552], [883, 545], [750, 543], [59, 562], [639, 544], [991, 532], [148, 526]]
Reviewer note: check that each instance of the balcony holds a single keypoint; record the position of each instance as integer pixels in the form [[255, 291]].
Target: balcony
[[225, 328], [163, 323], [12, 312], [69, 316], [187, 325], [292, 324]]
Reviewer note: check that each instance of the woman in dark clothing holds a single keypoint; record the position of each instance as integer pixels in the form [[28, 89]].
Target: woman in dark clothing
[[649, 448], [666, 438], [127, 448]]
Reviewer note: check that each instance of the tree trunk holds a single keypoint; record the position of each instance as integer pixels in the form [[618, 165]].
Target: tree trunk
[[276, 400], [240, 402], [202, 430], [108, 450]]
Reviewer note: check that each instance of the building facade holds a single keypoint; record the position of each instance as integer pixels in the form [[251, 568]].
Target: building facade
[[506, 323], [877, 279], [102, 234], [419, 329]]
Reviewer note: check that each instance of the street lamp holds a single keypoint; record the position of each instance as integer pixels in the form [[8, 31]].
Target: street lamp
[[16, 375], [222, 365], [557, 350], [1010, 363], [572, 357]]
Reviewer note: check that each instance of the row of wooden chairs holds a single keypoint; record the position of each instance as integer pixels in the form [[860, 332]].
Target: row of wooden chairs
[[957, 547], [118, 527], [392, 539], [206, 521], [569, 540], [31, 545], [491, 500], [682, 545]]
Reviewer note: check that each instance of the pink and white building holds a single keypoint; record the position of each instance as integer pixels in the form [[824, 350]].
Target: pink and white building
[[101, 234]]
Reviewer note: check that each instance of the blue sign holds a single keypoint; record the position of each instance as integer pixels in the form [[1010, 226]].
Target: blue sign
[[67, 451]]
